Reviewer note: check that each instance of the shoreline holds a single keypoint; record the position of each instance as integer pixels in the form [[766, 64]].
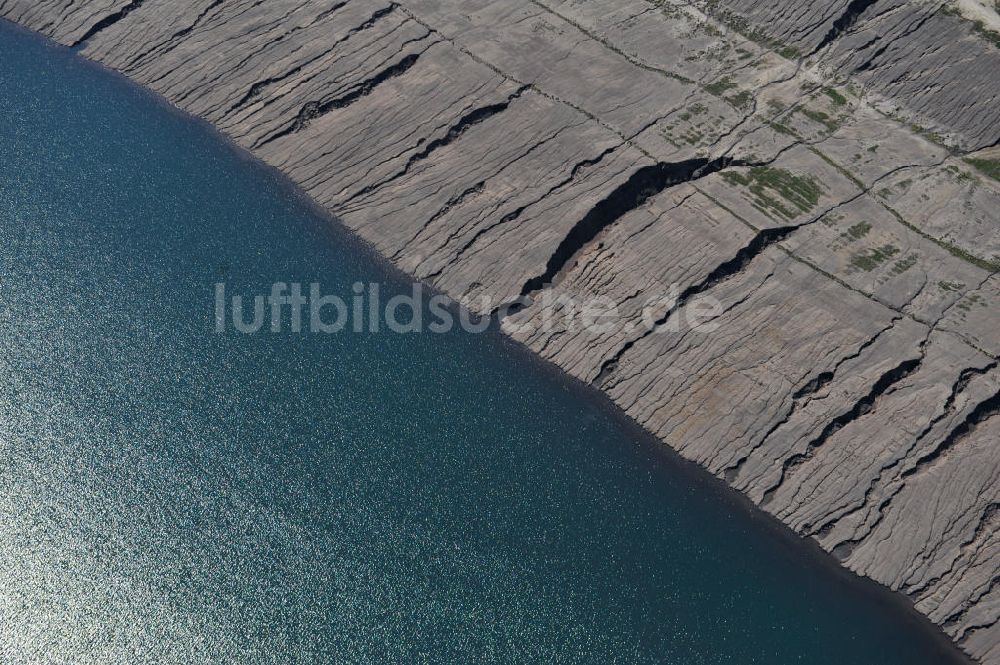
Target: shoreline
[[809, 550]]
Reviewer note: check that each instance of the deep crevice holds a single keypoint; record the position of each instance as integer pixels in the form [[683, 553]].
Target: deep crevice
[[322, 16], [845, 22], [984, 411], [517, 212], [188, 30], [969, 631], [862, 407], [642, 185], [450, 204], [721, 273], [170, 43], [821, 380], [964, 378], [463, 124], [995, 144], [804, 395], [870, 62], [256, 88], [108, 21], [985, 526], [480, 186], [315, 109]]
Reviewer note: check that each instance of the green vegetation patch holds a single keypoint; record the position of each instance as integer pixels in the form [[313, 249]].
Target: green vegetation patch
[[873, 258], [777, 191], [822, 118], [990, 167], [720, 87], [741, 25], [989, 35], [790, 53], [960, 175], [858, 231], [989, 265], [837, 98], [977, 26], [951, 286], [741, 100], [783, 129], [967, 303], [903, 265], [692, 136]]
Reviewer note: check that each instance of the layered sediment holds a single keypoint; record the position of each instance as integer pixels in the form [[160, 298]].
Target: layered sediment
[[824, 171]]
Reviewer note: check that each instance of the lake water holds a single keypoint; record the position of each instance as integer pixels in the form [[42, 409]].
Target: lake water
[[169, 494]]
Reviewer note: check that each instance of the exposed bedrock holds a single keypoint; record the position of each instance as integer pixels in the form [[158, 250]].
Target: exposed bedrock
[[798, 184], [923, 59]]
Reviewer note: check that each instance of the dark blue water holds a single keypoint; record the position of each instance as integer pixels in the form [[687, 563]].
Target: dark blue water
[[168, 494]]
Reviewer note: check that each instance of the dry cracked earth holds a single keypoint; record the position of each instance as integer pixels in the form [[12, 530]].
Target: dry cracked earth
[[825, 171]]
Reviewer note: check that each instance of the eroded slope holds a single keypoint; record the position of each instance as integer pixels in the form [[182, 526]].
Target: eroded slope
[[518, 151]]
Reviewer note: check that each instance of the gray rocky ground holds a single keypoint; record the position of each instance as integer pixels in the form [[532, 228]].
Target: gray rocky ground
[[821, 170]]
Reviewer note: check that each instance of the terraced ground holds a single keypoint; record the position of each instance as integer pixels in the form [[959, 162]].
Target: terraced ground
[[826, 171]]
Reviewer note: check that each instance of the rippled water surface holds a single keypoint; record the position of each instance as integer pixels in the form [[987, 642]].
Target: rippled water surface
[[168, 494]]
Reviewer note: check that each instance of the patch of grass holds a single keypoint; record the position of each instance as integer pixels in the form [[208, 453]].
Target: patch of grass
[[692, 136], [783, 129], [822, 118], [966, 176], [986, 264], [741, 100], [980, 29], [873, 258], [972, 299], [777, 191], [719, 87], [668, 135], [790, 53], [933, 137], [741, 25], [710, 29], [990, 167], [960, 175], [903, 265], [837, 98], [950, 286], [858, 231], [989, 265]]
